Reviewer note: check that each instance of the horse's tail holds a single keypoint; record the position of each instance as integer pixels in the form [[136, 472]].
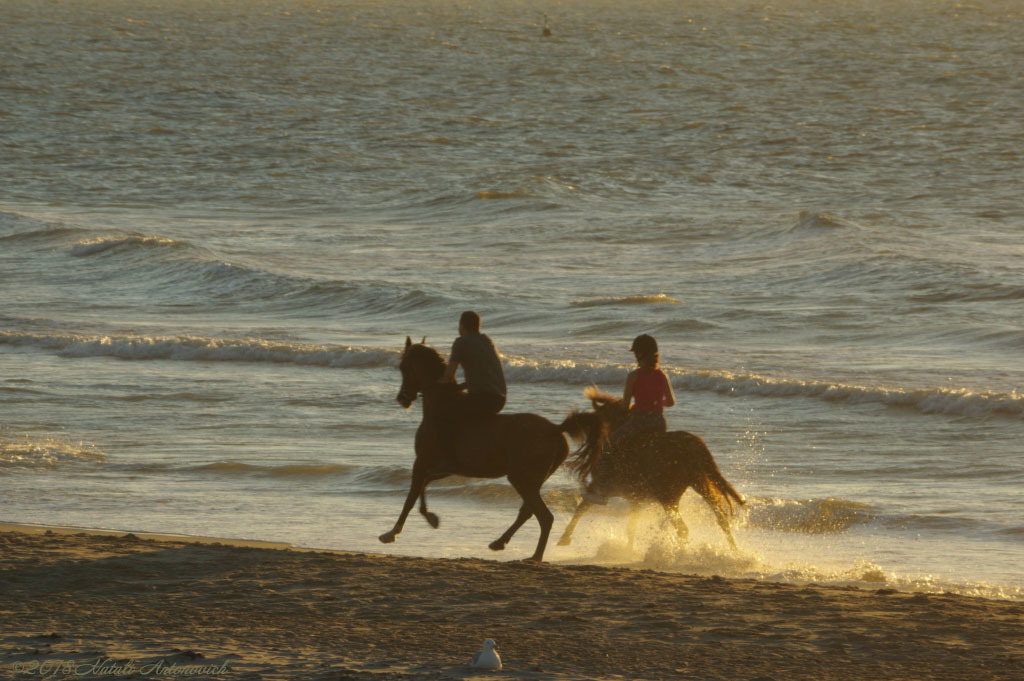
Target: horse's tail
[[590, 430], [713, 486]]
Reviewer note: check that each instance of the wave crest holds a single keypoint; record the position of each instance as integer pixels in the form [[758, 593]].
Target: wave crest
[[927, 400], [87, 247], [655, 299], [190, 348]]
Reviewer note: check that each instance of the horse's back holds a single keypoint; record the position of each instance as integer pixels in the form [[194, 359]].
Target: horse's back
[[526, 420], [527, 430], [532, 443], [507, 443], [663, 465], [686, 440]]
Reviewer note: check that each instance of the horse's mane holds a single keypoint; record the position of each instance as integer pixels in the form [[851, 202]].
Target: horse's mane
[[434, 361], [598, 396]]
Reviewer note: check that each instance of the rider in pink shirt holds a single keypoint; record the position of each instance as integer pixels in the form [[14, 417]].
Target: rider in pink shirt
[[648, 391]]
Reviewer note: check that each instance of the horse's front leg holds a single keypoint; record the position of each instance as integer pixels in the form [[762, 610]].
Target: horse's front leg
[[499, 543], [566, 538], [431, 517], [419, 481]]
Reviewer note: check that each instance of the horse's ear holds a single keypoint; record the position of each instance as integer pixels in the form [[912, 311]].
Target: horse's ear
[[408, 342], [424, 341]]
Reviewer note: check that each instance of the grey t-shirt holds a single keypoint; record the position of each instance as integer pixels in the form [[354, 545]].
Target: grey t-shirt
[[476, 354]]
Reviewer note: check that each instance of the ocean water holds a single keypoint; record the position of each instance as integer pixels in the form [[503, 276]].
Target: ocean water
[[220, 220]]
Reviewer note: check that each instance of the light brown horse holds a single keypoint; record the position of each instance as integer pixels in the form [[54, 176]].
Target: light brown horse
[[526, 448], [656, 467]]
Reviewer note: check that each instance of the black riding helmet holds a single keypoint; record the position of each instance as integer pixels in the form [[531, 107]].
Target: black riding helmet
[[644, 346]]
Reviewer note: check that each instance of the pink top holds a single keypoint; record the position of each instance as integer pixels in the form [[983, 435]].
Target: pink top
[[650, 390]]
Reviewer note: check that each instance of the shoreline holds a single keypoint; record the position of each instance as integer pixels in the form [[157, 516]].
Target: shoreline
[[106, 604]]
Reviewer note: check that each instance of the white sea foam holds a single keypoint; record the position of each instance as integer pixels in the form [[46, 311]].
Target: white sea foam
[[952, 401], [655, 299], [191, 348], [35, 452], [100, 244]]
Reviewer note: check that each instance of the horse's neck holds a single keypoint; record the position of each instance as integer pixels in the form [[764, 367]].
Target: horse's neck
[[436, 399]]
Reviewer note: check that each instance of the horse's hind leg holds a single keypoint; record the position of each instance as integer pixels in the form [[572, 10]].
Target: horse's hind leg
[[524, 515], [712, 500], [566, 538], [723, 522], [672, 509], [533, 501]]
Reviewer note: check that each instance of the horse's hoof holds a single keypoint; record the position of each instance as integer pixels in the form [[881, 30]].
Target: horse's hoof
[[433, 520], [387, 537], [565, 541], [496, 545]]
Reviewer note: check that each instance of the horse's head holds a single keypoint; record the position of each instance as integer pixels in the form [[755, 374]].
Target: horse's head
[[421, 366], [612, 410]]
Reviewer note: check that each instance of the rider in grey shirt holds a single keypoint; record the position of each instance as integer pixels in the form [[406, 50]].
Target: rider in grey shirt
[[481, 366]]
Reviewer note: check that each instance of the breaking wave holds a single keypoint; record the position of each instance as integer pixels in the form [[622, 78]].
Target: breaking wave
[[96, 245], [656, 299], [950, 401], [191, 348]]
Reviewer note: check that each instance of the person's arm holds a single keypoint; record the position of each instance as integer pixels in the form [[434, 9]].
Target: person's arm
[[670, 397], [449, 372], [627, 393]]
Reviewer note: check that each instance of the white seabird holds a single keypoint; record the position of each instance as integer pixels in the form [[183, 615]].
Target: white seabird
[[486, 658]]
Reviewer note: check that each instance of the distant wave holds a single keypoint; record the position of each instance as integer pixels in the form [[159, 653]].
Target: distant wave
[[957, 402], [468, 205], [24, 226], [96, 245], [48, 233], [284, 471], [952, 401], [656, 299], [178, 272], [813, 221], [190, 348], [491, 195]]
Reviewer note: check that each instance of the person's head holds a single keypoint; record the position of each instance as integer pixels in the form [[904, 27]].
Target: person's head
[[646, 350], [469, 322]]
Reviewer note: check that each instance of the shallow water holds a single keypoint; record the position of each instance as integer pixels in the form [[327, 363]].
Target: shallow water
[[219, 222]]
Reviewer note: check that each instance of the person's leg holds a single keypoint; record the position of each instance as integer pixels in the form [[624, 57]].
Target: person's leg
[[478, 406], [596, 492], [465, 409]]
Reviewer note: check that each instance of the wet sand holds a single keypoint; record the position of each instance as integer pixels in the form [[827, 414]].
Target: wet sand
[[91, 605]]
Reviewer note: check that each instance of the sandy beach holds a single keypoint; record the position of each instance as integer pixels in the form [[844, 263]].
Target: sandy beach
[[86, 604]]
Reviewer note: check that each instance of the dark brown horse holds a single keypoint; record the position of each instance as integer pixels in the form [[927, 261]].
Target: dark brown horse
[[526, 448], [656, 467]]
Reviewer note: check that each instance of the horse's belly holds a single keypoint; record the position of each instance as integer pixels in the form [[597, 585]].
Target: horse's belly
[[481, 454]]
